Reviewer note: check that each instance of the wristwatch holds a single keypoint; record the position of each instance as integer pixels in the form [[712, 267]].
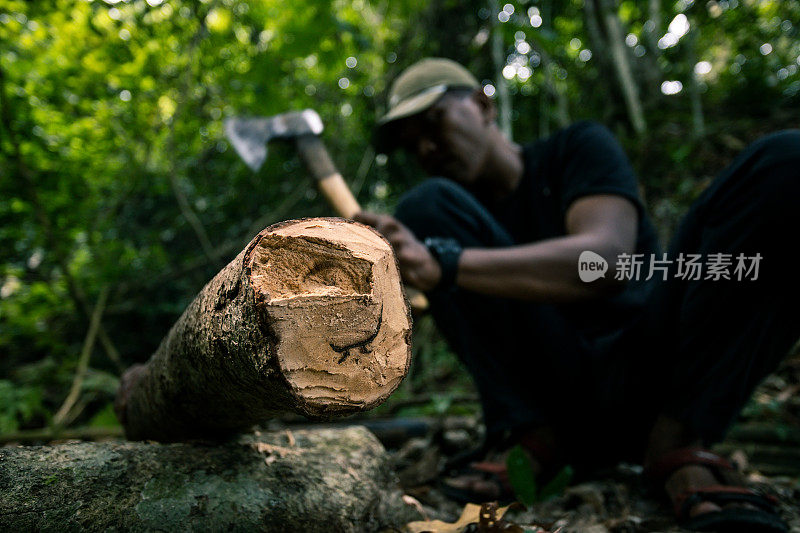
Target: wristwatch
[[447, 252]]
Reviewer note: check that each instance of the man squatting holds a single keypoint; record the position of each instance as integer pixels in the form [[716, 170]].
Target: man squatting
[[653, 371]]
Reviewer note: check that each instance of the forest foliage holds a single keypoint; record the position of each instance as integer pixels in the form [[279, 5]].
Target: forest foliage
[[120, 196]]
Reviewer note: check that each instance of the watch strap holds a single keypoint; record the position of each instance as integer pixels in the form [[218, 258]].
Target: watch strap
[[447, 252]]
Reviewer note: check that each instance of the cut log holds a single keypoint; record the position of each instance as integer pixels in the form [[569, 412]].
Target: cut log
[[309, 318], [318, 480]]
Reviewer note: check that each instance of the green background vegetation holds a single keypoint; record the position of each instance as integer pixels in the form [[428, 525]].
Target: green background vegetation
[[116, 180]]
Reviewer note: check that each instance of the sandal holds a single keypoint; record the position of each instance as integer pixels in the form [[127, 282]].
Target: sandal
[[761, 517]]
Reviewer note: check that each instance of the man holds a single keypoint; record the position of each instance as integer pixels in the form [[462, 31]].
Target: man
[[621, 367]]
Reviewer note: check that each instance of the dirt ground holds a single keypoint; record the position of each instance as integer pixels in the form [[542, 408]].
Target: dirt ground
[[765, 443]]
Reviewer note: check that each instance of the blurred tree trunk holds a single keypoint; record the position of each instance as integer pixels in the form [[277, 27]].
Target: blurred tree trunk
[[621, 63], [598, 39], [698, 121], [554, 93], [562, 103], [544, 111], [551, 92], [599, 47], [544, 104], [653, 73], [499, 61], [652, 28]]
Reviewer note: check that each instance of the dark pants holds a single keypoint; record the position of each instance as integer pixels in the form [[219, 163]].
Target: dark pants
[[701, 348]]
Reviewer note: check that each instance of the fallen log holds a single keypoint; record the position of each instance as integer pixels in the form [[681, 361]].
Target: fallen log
[[309, 318], [314, 480]]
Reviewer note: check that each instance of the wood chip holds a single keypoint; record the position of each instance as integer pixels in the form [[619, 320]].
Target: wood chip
[[273, 450]]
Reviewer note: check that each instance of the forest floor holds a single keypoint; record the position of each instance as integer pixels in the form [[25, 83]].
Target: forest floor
[[765, 443]]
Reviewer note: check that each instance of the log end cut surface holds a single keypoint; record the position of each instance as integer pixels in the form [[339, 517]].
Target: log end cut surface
[[330, 292]]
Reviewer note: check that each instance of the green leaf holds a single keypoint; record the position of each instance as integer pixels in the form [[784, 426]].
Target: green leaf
[[18, 404], [521, 476], [682, 152], [557, 485], [105, 418]]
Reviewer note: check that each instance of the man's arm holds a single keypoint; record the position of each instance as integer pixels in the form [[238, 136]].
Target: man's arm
[[548, 270], [545, 271]]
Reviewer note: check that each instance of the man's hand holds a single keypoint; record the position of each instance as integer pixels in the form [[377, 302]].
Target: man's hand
[[417, 266]]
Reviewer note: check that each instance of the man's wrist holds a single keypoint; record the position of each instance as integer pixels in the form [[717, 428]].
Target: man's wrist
[[447, 252]]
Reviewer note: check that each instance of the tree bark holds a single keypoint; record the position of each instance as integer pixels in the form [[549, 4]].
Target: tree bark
[[309, 318], [315, 480]]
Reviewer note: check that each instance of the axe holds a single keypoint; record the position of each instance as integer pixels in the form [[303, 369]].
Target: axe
[[249, 136]]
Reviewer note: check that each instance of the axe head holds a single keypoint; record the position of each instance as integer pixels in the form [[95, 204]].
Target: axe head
[[249, 136]]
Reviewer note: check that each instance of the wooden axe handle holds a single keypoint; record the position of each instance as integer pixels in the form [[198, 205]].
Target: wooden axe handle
[[338, 194], [331, 184]]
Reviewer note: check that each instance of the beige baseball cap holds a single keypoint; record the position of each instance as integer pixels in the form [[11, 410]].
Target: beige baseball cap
[[419, 86]]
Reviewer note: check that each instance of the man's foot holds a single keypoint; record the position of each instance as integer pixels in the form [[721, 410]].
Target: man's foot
[[706, 491], [690, 478], [667, 436]]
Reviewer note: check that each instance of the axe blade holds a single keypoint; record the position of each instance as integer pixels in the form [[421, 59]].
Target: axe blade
[[249, 138]]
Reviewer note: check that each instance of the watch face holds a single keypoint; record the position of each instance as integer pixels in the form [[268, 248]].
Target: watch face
[[443, 245]]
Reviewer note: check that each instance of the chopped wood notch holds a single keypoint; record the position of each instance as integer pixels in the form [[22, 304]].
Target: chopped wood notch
[[310, 318]]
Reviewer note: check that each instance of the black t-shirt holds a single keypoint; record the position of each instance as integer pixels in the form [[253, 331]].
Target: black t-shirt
[[583, 159]]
